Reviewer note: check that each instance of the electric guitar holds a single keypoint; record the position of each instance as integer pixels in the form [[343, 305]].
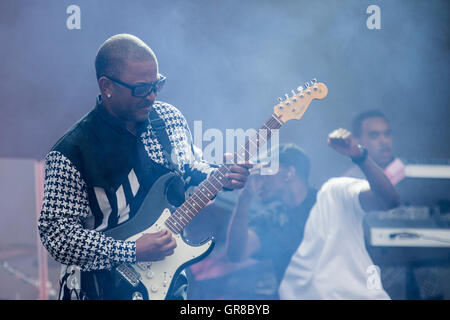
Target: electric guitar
[[155, 280]]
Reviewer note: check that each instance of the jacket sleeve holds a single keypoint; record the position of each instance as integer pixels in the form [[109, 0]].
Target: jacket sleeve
[[62, 221], [196, 169]]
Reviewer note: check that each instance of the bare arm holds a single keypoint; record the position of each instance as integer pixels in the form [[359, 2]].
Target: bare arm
[[242, 242], [381, 195]]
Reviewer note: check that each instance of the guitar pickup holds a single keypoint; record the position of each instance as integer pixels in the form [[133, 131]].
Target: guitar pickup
[[129, 274]]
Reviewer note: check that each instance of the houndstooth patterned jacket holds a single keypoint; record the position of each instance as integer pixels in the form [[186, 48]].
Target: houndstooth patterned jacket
[[96, 177]]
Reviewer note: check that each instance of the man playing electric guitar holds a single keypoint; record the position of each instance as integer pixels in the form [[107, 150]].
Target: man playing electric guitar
[[99, 173]]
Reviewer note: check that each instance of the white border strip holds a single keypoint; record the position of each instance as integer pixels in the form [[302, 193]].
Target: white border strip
[[427, 171]]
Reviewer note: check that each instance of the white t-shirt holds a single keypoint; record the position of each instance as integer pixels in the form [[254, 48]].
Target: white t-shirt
[[332, 261]]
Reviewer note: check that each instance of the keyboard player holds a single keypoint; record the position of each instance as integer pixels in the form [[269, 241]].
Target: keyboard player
[[372, 130]]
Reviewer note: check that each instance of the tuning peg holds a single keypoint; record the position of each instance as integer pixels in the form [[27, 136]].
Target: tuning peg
[[307, 85], [299, 89], [287, 99], [280, 99], [314, 81]]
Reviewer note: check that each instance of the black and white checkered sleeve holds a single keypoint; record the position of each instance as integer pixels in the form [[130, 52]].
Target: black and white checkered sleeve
[[61, 223], [196, 169], [191, 164]]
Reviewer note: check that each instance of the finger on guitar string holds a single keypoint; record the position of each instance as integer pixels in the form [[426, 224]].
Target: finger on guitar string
[[166, 237], [237, 177], [237, 184], [236, 180], [240, 169], [172, 244], [230, 160]]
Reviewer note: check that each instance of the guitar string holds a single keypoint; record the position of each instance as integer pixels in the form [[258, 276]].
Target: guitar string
[[175, 222]]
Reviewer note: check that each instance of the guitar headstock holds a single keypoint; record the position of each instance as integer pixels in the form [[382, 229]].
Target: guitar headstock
[[293, 107]]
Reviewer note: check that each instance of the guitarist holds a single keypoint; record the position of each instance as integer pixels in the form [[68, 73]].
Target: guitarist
[[99, 172]]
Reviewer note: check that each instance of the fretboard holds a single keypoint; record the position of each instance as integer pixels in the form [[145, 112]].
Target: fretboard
[[211, 186]]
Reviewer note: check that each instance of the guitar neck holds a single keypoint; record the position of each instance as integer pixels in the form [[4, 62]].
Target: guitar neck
[[291, 108], [211, 186]]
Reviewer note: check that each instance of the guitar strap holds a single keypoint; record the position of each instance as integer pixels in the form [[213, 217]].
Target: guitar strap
[[158, 127]]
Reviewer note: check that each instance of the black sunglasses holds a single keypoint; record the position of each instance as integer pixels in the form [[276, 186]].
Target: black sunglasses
[[142, 90]]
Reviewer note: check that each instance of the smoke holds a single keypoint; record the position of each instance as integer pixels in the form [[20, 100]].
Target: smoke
[[228, 61]]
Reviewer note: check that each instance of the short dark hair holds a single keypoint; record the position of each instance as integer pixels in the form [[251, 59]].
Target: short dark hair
[[358, 120], [118, 49], [292, 155]]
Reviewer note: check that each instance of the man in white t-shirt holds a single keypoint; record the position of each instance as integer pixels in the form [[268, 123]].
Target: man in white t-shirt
[[332, 261]]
